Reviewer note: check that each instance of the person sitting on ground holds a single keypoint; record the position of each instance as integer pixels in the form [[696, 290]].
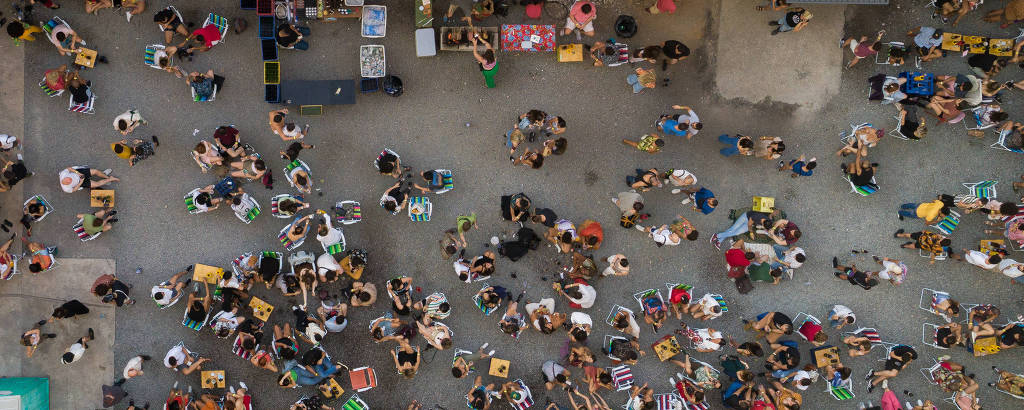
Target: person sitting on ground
[[703, 199], [530, 158], [250, 167], [135, 149], [1008, 382], [649, 54], [609, 54], [644, 180], [649, 143], [1009, 336], [928, 41], [543, 316]]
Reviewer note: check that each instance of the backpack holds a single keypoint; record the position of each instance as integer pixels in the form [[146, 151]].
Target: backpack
[[268, 179], [529, 238], [629, 221], [743, 285]]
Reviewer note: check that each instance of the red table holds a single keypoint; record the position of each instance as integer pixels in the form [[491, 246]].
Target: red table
[[513, 37]]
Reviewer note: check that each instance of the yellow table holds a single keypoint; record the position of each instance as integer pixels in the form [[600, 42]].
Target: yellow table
[[666, 347], [764, 204], [330, 388], [207, 273], [1002, 47], [213, 379], [568, 53], [101, 198], [976, 44], [989, 246], [825, 355], [951, 41], [260, 308], [86, 58], [984, 346], [499, 367]]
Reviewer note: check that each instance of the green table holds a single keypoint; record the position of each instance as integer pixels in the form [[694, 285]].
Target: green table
[[424, 14]]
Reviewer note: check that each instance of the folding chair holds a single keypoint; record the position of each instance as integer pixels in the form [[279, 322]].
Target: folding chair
[[362, 378], [49, 91], [649, 293], [355, 403], [1001, 142], [149, 56], [275, 255], [334, 248], [283, 236], [871, 334], [809, 325], [882, 57], [976, 120], [948, 224], [299, 258], [445, 179], [200, 98], [348, 212], [192, 324], [53, 23], [248, 210], [673, 288], [846, 136], [222, 26], [668, 401], [721, 302], [931, 296], [982, 189], [47, 208], [82, 235], [863, 190], [294, 167], [420, 209], [239, 351], [940, 257], [842, 392], [896, 131], [14, 267], [176, 13], [275, 209], [606, 346], [88, 107], [479, 301], [376, 162], [521, 401], [928, 334], [615, 312], [622, 377], [681, 385], [190, 202], [994, 386]]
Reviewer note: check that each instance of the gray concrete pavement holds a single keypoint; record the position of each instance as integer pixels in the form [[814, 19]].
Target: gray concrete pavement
[[427, 127], [29, 298]]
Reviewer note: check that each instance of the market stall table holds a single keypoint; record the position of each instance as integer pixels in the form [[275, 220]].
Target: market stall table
[[527, 37], [318, 92], [260, 308]]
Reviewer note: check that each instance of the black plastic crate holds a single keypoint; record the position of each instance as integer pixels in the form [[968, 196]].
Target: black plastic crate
[[267, 26], [248, 5], [264, 7], [272, 93], [268, 47]]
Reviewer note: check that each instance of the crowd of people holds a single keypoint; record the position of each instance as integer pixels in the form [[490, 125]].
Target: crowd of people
[[766, 368]]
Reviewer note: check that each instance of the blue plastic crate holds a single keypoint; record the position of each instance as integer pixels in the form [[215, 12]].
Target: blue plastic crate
[[272, 93], [267, 27]]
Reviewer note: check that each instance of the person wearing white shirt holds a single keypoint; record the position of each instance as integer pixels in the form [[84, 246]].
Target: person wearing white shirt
[[982, 259], [841, 316], [134, 366], [706, 308], [663, 236], [580, 293]]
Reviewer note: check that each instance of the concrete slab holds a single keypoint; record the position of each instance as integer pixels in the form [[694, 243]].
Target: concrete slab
[[801, 68], [27, 299]]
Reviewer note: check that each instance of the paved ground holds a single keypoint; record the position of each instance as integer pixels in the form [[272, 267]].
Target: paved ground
[[427, 126]]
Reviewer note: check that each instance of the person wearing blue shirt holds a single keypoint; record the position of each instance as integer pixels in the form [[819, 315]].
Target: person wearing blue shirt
[[703, 200], [800, 166], [928, 41], [681, 125]]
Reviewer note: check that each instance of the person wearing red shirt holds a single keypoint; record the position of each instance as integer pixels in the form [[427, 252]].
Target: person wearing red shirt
[[591, 234], [738, 259], [208, 35], [663, 6]]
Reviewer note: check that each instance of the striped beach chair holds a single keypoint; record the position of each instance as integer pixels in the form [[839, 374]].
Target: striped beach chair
[[420, 209], [348, 212], [982, 189], [49, 91], [948, 224], [842, 392], [668, 401], [521, 400], [479, 302], [863, 190], [222, 26], [444, 178], [276, 200], [622, 377], [149, 56], [88, 107], [355, 403], [283, 236], [82, 235], [47, 208], [192, 324]]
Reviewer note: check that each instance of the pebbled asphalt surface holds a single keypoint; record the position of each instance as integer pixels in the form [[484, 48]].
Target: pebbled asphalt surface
[[427, 126]]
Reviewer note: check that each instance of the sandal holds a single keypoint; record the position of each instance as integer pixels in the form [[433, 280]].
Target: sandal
[[760, 8]]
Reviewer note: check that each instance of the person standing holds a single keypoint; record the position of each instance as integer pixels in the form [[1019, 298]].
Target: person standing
[[649, 143], [135, 149], [682, 125], [488, 63], [674, 51], [77, 350], [860, 47], [464, 224], [795, 19]]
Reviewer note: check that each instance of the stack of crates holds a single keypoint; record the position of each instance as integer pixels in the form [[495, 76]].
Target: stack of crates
[[268, 50]]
